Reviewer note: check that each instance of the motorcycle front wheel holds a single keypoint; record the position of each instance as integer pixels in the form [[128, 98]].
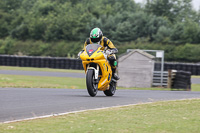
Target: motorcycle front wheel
[[92, 87]]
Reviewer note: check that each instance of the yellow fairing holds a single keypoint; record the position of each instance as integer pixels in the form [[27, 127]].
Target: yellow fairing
[[105, 71]]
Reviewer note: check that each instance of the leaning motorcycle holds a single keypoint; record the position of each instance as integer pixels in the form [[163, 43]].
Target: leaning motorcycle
[[98, 71]]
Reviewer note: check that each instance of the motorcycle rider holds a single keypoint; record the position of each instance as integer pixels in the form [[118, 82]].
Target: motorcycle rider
[[96, 36]]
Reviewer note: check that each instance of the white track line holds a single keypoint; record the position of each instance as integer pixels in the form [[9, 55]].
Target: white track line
[[73, 112]]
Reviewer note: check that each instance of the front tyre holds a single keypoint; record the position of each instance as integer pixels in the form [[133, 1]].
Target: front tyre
[[111, 90], [92, 87]]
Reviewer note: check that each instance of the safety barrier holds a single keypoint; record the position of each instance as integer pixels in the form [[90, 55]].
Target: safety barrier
[[33, 61], [189, 67]]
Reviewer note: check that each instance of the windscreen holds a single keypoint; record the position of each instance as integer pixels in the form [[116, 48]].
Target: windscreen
[[91, 48]]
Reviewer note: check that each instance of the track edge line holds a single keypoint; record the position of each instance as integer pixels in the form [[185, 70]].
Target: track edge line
[[80, 111]]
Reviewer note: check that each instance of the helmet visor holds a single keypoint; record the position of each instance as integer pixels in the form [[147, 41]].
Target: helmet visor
[[95, 40]]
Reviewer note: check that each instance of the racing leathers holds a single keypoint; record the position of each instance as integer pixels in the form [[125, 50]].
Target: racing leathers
[[111, 50]]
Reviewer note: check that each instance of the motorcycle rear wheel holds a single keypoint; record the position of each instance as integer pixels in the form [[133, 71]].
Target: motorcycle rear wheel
[[91, 86], [111, 90]]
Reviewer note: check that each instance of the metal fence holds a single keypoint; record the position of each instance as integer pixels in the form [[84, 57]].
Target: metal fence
[[157, 76]]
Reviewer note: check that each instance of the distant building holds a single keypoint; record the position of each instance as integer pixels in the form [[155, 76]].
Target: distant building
[[136, 69]]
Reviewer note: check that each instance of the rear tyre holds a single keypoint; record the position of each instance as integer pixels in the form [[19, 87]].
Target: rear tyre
[[92, 87], [111, 90]]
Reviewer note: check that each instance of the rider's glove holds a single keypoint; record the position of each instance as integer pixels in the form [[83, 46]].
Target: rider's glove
[[80, 53], [109, 52]]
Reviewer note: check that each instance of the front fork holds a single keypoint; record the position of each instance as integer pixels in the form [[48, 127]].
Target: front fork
[[96, 73]]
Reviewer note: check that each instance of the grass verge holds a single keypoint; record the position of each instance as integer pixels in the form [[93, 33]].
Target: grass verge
[[195, 87], [40, 69], [155, 88], [57, 82], [20, 81], [170, 116], [195, 76]]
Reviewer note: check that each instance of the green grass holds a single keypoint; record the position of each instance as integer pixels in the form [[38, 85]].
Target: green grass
[[155, 88], [15, 81], [195, 87], [21, 81], [40, 69], [195, 76], [56, 82], [160, 117]]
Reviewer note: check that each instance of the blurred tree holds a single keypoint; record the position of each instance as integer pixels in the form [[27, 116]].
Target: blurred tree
[[5, 19], [163, 35], [10, 6], [186, 32], [177, 33], [160, 8], [174, 10], [67, 23], [191, 32], [21, 32]]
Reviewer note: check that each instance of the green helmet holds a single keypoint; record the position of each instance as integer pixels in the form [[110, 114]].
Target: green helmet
[[96, 35]]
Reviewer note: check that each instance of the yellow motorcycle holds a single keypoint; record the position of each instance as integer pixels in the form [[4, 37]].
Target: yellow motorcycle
[[98, 71]]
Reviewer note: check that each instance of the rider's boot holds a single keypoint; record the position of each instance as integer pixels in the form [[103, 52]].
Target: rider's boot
[[114, 74]]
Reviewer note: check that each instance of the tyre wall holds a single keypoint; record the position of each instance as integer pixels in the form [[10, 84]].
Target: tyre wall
[[41, 62], [68, 63], [181, 80], [189, 67]]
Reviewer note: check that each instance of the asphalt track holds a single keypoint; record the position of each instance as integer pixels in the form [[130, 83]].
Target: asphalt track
[[22, 103]]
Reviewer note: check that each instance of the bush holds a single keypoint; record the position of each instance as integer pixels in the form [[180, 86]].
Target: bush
[[188, 52], [39, 48], [182, 53]]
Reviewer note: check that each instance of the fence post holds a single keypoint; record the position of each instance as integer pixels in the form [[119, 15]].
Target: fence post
[[169, 81]]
